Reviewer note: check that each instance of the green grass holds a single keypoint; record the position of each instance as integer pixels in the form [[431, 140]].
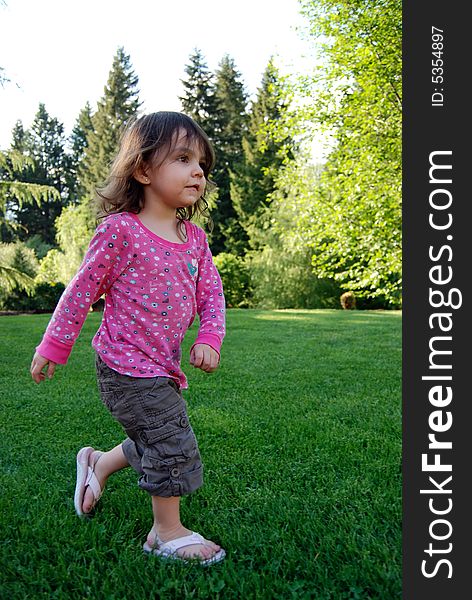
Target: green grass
[[300, 435]]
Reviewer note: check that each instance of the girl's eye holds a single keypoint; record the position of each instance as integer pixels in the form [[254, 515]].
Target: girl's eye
[[183, 158]]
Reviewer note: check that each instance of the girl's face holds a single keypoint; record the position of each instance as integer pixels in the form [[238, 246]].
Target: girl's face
[[179, 181]]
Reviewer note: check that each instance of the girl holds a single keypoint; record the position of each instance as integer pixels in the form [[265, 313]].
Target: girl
[[156, 271]]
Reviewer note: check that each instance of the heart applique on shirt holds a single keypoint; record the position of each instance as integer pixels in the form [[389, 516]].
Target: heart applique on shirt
[[192, 269]]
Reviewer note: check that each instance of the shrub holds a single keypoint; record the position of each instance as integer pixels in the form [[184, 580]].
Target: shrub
[[44, 298], [40, 247], [235, 277], [53, 268], [348, 300], [17, 256], [74, 229], [282, 278]]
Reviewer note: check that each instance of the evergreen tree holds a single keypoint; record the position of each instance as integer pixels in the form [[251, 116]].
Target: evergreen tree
[[21, 192], [199, 100], [230, 127], [119, 104], [18, 135], [78, 145], [94, 142], [48, 165], [253, 178]]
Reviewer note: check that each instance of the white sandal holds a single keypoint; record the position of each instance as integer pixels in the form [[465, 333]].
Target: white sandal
[[86, 478], [169, 549]]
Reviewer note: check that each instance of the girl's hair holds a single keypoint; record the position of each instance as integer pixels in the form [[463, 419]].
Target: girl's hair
[[148, 141]]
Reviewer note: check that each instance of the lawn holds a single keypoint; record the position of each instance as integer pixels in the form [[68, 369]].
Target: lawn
[[300, 436]]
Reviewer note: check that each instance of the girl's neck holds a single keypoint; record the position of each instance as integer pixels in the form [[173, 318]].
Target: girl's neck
[[163, 215], [162, 224]]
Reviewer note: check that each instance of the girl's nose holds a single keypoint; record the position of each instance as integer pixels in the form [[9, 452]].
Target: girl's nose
[[198, 171]]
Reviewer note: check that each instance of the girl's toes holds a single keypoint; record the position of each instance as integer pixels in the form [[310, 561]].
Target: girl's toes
[[201, 551], [214, 547], [208, 552], [88, 500]]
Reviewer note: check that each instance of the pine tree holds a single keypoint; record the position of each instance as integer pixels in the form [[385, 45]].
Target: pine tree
[[44, 146], [119, 104], [230, 127], [253, 178], [199, 100], [78, 146], [18, 135], [13, 162], [94, 142]]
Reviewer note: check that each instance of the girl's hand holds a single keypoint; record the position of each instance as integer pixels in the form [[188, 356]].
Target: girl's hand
[[37, 366], [204, 357]]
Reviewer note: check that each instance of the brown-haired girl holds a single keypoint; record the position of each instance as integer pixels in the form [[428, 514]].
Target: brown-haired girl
[[156, 270]]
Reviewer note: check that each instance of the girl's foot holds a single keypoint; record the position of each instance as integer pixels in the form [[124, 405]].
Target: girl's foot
[[89, 497], [202, 551]]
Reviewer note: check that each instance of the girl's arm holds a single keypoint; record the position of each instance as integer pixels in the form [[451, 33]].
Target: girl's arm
[[211, 310], [107, 256]]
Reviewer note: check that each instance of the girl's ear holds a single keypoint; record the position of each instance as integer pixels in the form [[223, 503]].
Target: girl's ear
[[141, 175]]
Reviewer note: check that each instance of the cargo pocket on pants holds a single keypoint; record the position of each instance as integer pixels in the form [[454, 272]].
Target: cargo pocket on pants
[[172, 441]]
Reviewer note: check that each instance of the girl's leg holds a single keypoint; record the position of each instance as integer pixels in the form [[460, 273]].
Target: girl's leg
[[167, 526], [107, 463]]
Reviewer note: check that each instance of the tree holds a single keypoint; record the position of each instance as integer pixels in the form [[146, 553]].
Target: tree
[[218, 104], [78, 145], [230, 127], [73, 227], [95, 141], [354, 226], [198, 101], [48, 165], [18, 266], [18, 135], [24, 193], [119, 104], [253, 178], [280, 264]]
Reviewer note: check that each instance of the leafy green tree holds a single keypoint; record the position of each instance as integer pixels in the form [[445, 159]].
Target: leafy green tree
[[354, 226], [199, 103], [280, 265], [253, 177], [119, 104], [74, 227]]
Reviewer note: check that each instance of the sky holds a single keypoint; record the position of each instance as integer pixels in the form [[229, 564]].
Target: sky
[[59, 52]]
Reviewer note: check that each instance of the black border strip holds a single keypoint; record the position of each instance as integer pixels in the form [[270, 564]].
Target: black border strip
[[437, 226]]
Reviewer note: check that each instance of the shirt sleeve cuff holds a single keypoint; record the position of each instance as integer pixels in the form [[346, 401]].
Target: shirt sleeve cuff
[[209, 339], [53, 350]]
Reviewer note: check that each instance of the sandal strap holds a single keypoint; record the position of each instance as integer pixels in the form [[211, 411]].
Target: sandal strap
[[172, 546], [92, 482]]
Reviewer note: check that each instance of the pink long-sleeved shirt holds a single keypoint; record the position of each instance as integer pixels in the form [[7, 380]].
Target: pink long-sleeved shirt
[[153, 290]]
